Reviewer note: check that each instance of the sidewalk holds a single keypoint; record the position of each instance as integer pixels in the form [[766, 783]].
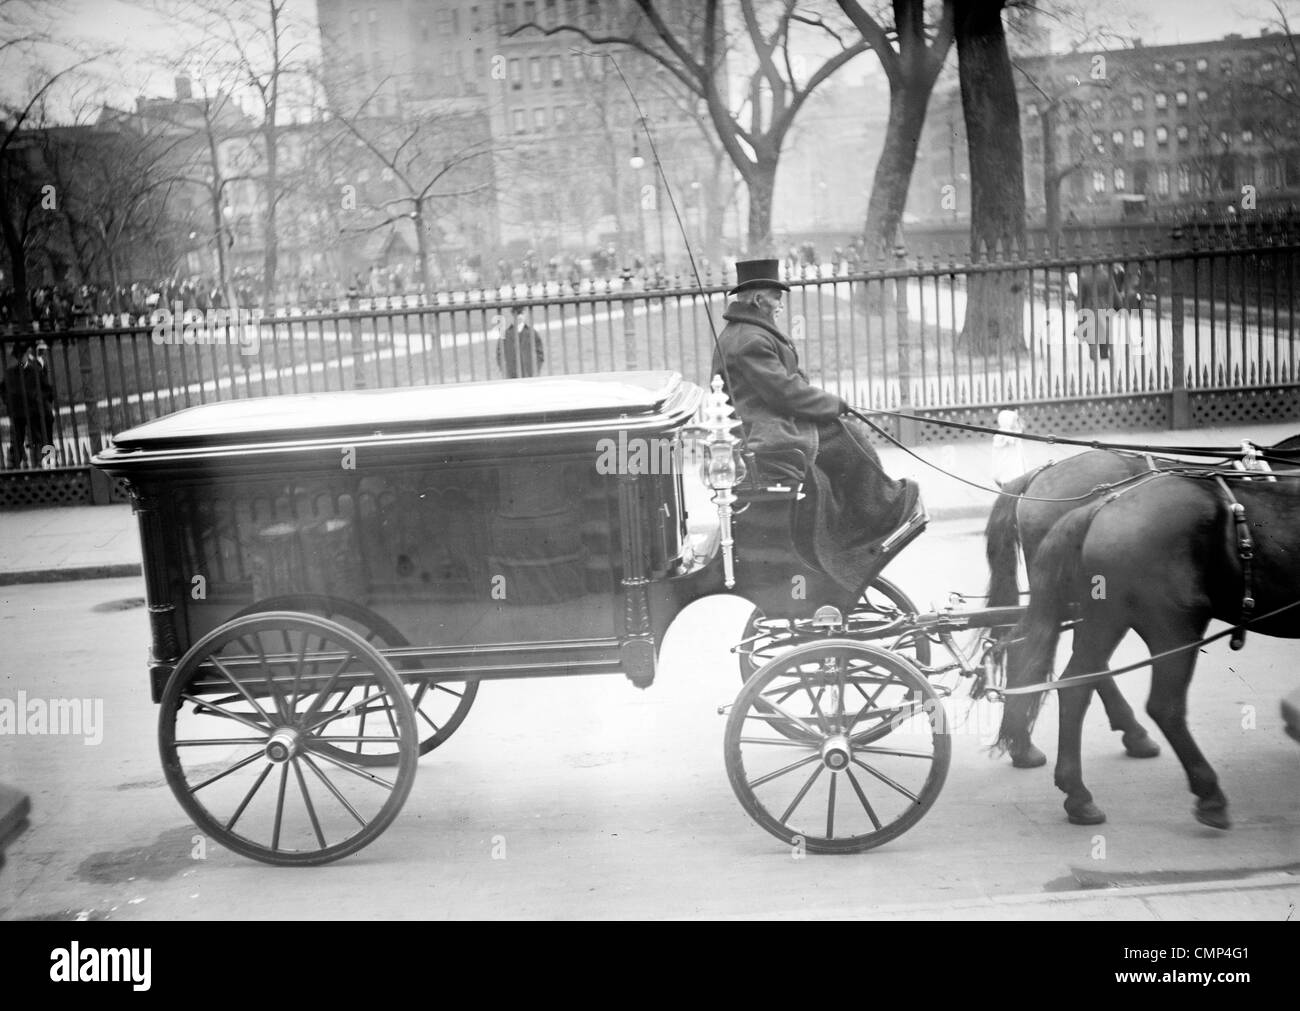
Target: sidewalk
[[96, 542]]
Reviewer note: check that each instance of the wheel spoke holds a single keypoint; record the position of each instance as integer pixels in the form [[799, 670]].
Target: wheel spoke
[[803, 792], [814, 757], [355, 770], [862, 798], [328, 690], [222, 775], [811, 731], [895, 752], [211, 707], [333, 789], [279, 807], [241, 689], [199, 742], [266, 669], [247, 797], [352, 710], [887, 781], [780, 743], [830, 808]]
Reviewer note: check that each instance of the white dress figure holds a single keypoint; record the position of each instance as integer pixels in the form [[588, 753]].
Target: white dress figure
[[1008, 451]]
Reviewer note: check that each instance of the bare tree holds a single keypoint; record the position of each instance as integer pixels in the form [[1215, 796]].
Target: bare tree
[[991, 110], [432, 156], [911, 58], [696, 50]]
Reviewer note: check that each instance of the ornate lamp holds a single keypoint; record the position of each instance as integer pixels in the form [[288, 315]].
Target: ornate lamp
[[710, 440]]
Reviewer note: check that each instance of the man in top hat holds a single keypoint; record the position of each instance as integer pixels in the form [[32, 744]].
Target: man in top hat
[[793, 429]]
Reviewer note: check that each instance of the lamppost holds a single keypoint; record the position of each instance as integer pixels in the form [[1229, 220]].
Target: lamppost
[[637, 162]]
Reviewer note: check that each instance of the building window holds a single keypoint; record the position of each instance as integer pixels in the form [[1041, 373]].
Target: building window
[[479, 65], [1225, 68], [530, 11], [516, 75], [1247, 173], [1203, 133], [1202, 95], [372, 16], [1162, 135], [1180, 99], [1098, 143], [355, 17], [474, 23], [1162, 181], [557, 71], [1139, 137], [1180, 66], [1273, 173], [508, 15], [1184, 179], [1099, 182], [519, 122], [561, 115], [535, 70], [1157, 67], [1202, 65], [550, 14], [1117, 138], [539, 119], [1248, 136], [1162, 100], [575, 66], [1182, 134], [1136, 103], [1204, 181], [1119, 180]]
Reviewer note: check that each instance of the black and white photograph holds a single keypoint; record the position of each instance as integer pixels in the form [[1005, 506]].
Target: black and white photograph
[[671, 460]]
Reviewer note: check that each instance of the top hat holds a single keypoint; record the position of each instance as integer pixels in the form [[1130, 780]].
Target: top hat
[[757, 274]]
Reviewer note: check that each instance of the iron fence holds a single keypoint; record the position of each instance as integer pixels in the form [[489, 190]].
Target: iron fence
[[1201, 312]]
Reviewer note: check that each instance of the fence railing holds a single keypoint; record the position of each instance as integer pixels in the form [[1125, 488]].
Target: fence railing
[[916, 333]]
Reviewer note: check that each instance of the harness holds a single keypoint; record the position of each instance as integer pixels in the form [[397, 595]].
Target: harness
[[1245, 553]]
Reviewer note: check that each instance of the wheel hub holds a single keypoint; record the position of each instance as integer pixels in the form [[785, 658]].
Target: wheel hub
[[283, 745], [836, 753]]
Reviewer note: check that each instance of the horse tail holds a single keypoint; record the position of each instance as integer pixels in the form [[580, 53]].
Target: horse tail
[[1054, 576], [1001, 539]]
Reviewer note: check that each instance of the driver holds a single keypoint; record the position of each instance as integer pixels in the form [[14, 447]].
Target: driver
[[795, 429]]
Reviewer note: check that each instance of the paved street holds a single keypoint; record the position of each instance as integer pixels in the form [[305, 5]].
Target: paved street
[[589, 798]]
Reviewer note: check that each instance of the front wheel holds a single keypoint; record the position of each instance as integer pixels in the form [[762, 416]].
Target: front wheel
[[837, 747]]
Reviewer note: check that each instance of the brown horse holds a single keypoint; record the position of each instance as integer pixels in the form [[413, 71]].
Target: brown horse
[[1164, 554], [1023, 522]]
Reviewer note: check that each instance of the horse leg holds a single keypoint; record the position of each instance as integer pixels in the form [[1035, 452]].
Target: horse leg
[[1092, 649], [1167, 706], [1137, 742]]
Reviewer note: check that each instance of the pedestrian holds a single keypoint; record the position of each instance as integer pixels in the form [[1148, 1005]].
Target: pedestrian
[[28, 397], [519, 352]]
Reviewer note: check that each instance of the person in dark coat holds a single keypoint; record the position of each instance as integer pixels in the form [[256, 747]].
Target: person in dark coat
[[28, 397], [520, 352], [795, 432]]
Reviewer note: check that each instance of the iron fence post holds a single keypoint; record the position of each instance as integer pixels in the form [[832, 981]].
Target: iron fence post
[[909, 431], [629, 321], [358, 356], [1180, 414]]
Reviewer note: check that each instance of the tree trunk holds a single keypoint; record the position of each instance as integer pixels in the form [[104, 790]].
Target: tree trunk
[[760, 180], [907, 105], [422, 246], [1052, 179], [994, 303], [270, 234], [22, 309]]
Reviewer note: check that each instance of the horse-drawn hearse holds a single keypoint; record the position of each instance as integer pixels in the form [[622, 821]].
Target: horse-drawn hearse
[[331, 577]]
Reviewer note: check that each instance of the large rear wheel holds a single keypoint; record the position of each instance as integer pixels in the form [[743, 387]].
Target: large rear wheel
[[256, 728]]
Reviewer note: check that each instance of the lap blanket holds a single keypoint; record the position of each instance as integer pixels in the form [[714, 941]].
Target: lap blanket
[[851, 506]]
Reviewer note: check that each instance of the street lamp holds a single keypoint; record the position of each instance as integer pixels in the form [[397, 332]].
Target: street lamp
[[638, 162]]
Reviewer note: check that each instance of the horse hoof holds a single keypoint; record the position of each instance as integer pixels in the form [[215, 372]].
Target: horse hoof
[[1086, 814], [1215, 816], [1030, 758], [1140, 747]]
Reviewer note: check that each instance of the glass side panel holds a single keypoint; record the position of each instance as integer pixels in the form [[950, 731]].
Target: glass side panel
[[450, 556]]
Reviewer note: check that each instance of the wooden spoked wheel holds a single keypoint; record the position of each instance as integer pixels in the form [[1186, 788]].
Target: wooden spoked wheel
[[255, 726], [837, 747], [880, 604], [439, 708]]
